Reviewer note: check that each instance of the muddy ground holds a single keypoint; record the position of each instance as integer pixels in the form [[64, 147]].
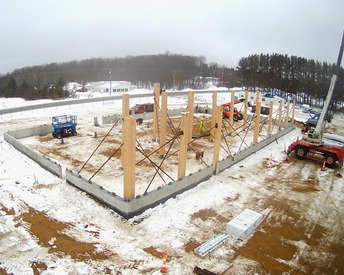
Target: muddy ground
[[302, 233]]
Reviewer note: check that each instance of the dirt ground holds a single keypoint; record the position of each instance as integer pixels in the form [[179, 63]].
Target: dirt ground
[[269, 251], [303, 233]]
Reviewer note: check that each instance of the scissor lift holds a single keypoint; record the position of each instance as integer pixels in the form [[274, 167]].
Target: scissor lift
[[64, 125]]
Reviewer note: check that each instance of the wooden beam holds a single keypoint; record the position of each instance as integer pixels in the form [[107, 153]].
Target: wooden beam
[[271, 110], [183, 145], [257, 96], [156, 110], [125, 105], [213, 116], [286, 116], [245, 107], [293, 112], [128, 156], [280, 114], [191, 100], [256, 124], [231, 113], [217, 141], [163, 124]]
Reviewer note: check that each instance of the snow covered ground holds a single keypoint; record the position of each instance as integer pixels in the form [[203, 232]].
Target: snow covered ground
[[49, 227]]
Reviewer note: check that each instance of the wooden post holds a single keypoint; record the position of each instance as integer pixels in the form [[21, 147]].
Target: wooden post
[[183, 145], [256, 124], [280, 114], [286, 116], [218, 128], [231, 113], [257, 96], [125, 111], [156, 111], [163, 123], [191, 100], [213, 116], [270, 117], [128, 156], [245, 107], [125, 105], [293, 112]]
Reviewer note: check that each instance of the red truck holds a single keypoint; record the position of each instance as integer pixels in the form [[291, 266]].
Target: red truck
[[142, 108]]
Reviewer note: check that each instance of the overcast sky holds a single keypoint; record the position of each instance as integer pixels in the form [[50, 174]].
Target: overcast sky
[[36, 32]]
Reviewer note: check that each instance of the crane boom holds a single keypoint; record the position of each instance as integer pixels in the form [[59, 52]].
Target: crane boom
[[311, 146], [317, 135]]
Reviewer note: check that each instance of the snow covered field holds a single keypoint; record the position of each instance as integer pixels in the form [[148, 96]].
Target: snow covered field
[[49, 227]]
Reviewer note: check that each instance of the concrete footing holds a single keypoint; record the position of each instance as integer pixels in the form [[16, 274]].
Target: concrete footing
[[129, 209]]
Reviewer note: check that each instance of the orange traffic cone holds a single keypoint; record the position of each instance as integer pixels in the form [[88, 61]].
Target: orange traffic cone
[[164, 260], [323, 166]]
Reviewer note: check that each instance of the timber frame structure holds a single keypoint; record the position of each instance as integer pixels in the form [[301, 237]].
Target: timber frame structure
[[220, 131]]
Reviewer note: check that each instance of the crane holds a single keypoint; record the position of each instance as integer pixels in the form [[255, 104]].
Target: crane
[[311, 146]]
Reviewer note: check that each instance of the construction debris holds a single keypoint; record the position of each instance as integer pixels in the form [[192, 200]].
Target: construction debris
[[244, 224], [202, 271], [211, 244]]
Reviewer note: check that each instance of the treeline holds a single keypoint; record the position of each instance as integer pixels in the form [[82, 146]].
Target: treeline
[[291, 74], [171, 70]]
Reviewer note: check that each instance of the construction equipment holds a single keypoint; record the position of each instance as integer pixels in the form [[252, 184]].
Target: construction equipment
[[64, 125], [313, 120], [311, 146], [226, 110], [142, 108]]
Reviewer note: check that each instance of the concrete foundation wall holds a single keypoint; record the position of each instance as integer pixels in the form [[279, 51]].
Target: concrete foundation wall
[[111, 119], [34, 131], [11, 137], [129, 209], [231, 160]]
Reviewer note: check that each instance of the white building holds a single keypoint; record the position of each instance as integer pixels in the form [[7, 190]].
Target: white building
[[115, 86]]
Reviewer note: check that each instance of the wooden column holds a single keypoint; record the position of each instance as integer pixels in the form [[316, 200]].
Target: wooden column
[[183, 145], [125, 105], [280, 114], [128, 156], [217, 141], [271, 110], [246, 106], [191, 101], [286, 116], [293, 112], [256, 124], [125, 111], [163, 123], [231, 113], [156, 110], [213, 116], [257, 96]]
